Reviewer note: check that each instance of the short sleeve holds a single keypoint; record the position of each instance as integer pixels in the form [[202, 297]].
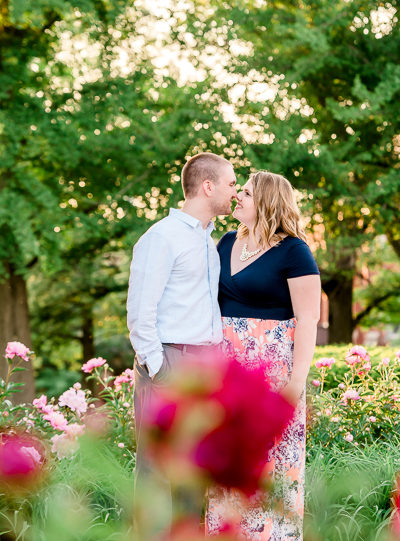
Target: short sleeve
[[300, 261]]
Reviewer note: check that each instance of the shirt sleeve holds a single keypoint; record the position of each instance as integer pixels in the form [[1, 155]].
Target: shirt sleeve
[[149, 273], [300, 261]]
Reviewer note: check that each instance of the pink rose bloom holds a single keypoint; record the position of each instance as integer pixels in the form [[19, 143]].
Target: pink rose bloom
[[349, 437], [316, 382], [17, 349], [128, 376], [93, 363], [386, 361], [356, 354], [74, 399], [41, 402], [325, 361], [351, 394], [372, 419], [56, 419]]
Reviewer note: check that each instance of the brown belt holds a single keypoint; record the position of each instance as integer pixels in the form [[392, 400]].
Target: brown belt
[[193, 349]]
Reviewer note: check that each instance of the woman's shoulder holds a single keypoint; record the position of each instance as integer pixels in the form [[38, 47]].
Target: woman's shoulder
[[290, 242]]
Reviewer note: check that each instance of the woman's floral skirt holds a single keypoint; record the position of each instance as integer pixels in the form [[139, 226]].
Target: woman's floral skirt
[[275, 515]]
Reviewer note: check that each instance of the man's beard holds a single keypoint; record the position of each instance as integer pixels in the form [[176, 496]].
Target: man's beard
[[222, 209]]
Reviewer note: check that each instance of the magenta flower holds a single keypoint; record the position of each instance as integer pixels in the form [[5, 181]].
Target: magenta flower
[[349, 437], [93, 363], [316, 382], [75, 399], [17, 349], [325, 362], [372, 419], [21, 461]]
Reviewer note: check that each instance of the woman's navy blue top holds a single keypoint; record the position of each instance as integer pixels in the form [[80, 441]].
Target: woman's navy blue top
[[261, 290]]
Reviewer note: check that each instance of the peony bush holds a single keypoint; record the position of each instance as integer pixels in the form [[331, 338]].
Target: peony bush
[[361, 404], [59, 423]]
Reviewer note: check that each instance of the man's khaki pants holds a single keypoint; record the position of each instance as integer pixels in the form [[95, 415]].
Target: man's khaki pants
[[153, 501]]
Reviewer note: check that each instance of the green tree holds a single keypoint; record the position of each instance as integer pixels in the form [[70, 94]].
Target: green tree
[[332, 120]]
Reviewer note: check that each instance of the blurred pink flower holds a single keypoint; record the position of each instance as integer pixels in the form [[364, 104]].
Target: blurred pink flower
[[93, 363], [397, 354], [325, 362], [74, 430], [97, 422], [342, 386], [128, 376], [386, 361], [121, 445], [349, 437], [335, 419], [328, 412], [372, 419], [64, 445], [17, 349], [316, 382], [234, 452], [56, 419], [74, 399]]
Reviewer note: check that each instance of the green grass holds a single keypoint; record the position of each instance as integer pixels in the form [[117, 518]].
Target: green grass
[[348, 493]]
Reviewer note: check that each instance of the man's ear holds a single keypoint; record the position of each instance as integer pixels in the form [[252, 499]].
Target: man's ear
[[208, 187]]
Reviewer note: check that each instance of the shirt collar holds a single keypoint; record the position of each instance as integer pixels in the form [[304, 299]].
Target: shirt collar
[[190, 220]]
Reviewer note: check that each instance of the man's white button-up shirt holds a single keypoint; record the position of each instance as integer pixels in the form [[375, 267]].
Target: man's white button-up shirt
[[173, 288]]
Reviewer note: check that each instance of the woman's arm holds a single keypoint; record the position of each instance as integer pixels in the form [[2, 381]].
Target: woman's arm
[[305, 293]]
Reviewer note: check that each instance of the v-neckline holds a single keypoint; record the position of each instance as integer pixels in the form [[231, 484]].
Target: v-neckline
[[254, 261]]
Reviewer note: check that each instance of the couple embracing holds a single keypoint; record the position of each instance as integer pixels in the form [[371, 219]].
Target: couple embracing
[[257, 293]]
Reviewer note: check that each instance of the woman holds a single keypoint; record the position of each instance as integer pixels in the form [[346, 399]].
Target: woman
[[270, 298]]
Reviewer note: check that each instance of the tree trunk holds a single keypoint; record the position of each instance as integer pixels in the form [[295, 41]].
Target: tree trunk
[[87, 337], [14, 326], [88, 348], [340, 296]]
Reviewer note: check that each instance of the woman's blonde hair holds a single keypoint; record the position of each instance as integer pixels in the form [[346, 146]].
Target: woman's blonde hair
[[277, 213]]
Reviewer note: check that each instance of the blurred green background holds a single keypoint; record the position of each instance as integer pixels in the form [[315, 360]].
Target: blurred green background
[[101, 103]]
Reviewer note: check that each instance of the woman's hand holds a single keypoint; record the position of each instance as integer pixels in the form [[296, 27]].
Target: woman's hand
[[292, 392]]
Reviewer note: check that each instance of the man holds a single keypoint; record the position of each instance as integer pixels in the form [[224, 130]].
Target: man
[[173, 296]]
